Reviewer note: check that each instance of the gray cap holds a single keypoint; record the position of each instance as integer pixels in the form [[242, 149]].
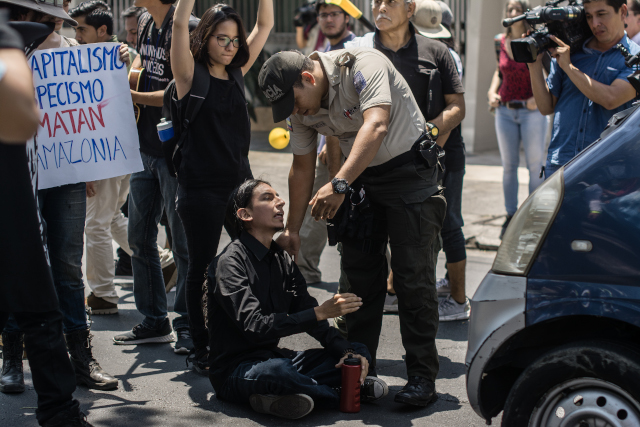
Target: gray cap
[[447, 16], [49, 7]]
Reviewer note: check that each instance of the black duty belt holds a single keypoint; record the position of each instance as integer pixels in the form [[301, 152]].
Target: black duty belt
[[397, 161]]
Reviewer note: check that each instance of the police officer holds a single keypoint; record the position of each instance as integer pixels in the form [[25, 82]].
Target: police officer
[[358, 96]]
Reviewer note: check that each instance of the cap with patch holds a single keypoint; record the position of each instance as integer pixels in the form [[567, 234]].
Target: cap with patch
[[49, 7], [276, 79], [428, 20]]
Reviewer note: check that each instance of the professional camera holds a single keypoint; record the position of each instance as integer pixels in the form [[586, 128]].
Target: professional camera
[[568, 23], [305, 15]]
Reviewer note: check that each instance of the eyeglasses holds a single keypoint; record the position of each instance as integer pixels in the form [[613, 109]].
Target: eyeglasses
[[333, 15], [224, 41]]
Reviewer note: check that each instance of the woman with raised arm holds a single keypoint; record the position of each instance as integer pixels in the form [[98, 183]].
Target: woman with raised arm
[[215, 151]]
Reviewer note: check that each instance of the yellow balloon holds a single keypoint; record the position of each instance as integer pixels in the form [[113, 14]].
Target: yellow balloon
[[279, 138]]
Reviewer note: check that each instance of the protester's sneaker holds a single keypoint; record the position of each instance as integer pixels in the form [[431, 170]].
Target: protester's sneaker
[[290, 406], [100, 305], [140, 334], [184, 344], [198, 360], [391, 303], [170, 275], [443, 287], [373, 389], [449, 309]]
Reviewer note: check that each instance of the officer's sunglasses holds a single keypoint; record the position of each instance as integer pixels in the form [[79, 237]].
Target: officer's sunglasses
[[224, 41]]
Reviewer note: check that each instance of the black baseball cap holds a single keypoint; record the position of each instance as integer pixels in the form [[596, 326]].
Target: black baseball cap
[[276, 79]]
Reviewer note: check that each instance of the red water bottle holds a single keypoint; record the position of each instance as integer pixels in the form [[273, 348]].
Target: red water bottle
[[350, 395]]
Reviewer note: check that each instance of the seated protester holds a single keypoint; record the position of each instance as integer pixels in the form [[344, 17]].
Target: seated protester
[[258, 296]]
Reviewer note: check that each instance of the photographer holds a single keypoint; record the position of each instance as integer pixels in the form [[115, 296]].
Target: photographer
[[585, 88], [309, 38]]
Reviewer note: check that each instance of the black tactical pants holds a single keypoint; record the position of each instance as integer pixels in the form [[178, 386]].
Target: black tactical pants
[[408, 212]]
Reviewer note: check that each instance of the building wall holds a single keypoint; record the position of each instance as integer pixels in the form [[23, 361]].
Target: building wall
[[478, 127]]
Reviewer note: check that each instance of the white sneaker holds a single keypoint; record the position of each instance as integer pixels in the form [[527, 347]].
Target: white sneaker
[[391, 304], [449, 309], [443, 288]]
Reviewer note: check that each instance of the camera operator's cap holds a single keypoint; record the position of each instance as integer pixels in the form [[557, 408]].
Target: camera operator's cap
[[49, 7], [428, 20], [276, 79]]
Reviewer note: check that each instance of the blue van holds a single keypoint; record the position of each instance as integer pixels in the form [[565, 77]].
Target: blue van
[[554, 334]]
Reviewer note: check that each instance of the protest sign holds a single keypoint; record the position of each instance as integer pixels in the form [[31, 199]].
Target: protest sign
[[87, 129]]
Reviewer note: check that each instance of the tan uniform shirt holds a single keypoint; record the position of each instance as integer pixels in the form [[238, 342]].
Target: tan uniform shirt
[[367, 79]]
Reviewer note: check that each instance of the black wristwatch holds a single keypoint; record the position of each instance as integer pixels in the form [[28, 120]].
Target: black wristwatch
[[432, 131], [340, 186]]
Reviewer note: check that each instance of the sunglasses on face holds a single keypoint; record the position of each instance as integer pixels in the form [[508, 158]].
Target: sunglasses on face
[[224, 41]]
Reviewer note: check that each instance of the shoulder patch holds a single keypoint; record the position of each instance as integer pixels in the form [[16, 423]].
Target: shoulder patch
[[359, 82], [289, 125]]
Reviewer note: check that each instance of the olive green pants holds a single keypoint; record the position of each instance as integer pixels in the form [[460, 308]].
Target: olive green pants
[[409, 215]]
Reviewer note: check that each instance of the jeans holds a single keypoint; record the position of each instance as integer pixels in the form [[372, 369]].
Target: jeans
[[513, 126], [452, 236], [151, 191], [202, 212], [550, 169], [310, 372], [53, 377]]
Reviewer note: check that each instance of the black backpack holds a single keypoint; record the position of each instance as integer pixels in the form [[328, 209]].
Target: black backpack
[[170, 111]]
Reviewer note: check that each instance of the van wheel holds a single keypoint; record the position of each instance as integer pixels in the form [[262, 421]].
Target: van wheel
[[585, 384]]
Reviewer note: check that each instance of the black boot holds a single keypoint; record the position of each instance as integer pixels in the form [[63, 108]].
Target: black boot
[[418, 392], [12, 376], [71, 417], [88, 371]]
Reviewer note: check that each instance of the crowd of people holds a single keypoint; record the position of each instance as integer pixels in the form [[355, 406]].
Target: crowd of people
[[378, 166]]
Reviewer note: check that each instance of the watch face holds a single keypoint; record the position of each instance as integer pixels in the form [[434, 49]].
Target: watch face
[[434, 131], [341, 186]]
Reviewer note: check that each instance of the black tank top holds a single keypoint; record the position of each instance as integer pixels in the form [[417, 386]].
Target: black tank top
[[215, 151]]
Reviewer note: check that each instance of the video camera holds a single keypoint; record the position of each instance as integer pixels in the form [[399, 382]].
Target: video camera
[[568, 23], [305, 15]]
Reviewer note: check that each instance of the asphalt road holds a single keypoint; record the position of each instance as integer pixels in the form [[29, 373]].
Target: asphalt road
[[156, 389]]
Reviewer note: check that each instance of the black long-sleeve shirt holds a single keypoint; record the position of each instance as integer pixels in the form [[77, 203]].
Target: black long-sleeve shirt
[[259, 296]]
